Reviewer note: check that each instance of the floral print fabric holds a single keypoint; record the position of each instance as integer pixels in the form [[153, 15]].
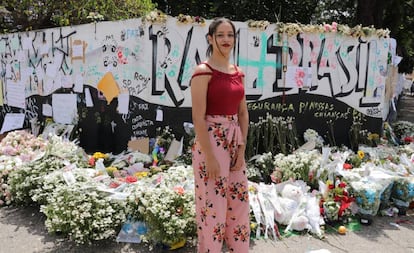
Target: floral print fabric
[[222, 204]]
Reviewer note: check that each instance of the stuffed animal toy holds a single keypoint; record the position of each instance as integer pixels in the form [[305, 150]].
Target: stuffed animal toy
[[292, 208]]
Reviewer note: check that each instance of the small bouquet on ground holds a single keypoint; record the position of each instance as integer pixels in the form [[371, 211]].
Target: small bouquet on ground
[[367, 193], [403, 191], [336, 201], [165, 202]]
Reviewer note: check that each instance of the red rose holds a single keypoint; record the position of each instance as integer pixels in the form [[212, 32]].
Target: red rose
[[342, 185], [92, 161], [347, 166], [408, 139], [331, 187], [131, 179]]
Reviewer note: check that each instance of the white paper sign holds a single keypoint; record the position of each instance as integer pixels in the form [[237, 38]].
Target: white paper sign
[[47, 110], [64, 108], [298, 77], [123, 103], [12, 121], [78, 83], [77, 50], [88, 98], [160, 115], [15, 94]]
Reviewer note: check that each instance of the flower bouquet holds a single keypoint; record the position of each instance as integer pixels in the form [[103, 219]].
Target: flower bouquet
[[301, 165], [367, 193], [336, 201], [403, 191], [165, 202], [83, 213]]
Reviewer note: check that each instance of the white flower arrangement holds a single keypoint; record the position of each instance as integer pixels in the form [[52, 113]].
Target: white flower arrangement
[[166, 203], [29, 178], [58, 179], [312, 135], [95, 16], [261, 167], [403, 128], [155, 16], [25, 180], [258, 24], [83, 213], [292, 29], [302, 165], [187, 19]]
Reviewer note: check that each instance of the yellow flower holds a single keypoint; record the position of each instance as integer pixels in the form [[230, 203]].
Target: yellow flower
[[252, 189], [361, 154], [373, 136], [253, 225], [98, 155], [141, 174], [110, 170]]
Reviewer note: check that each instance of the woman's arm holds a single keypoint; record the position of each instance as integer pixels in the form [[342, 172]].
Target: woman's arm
[[199, 86], [243, 117]]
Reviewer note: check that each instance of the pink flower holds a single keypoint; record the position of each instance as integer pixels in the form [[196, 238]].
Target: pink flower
[[179, 189], [334, 26]]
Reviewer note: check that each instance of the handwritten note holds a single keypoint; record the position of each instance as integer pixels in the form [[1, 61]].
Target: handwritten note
[[15, 94], [123, 103], [64, 108], [12, 121], [78, 83], [88, 98], [160, 115], [77, 50], [47, 110]]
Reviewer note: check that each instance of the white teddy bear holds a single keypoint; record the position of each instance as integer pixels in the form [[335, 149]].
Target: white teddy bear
[[292, 208]]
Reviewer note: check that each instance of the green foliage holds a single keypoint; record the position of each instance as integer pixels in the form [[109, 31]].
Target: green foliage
[[243, 10], [25, 15], [329, 11], [272, 134]]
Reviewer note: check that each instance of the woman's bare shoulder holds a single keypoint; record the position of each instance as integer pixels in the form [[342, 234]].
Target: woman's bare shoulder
[[202, 68]]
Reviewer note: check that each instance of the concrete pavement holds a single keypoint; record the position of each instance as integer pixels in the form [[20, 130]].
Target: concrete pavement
[[22, 230]]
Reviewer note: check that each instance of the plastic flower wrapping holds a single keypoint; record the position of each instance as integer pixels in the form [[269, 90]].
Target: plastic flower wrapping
[[165, 202], [83, 213], [312, 135], [336, 201], [369, 192], [403, 191], [301, 165], [289, 204]]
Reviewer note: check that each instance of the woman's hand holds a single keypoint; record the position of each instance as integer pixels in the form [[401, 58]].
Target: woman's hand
[[238, 161], [212, 167]]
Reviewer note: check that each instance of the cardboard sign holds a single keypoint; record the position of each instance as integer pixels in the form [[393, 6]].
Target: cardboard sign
[[141, 145]]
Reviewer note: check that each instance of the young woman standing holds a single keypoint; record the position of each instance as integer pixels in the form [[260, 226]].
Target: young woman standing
[[220, 119]]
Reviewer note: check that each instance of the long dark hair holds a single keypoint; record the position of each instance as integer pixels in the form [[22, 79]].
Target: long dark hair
[[213, 28]]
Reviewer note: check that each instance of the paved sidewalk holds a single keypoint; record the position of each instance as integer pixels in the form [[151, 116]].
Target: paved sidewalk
[[23, 231]]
